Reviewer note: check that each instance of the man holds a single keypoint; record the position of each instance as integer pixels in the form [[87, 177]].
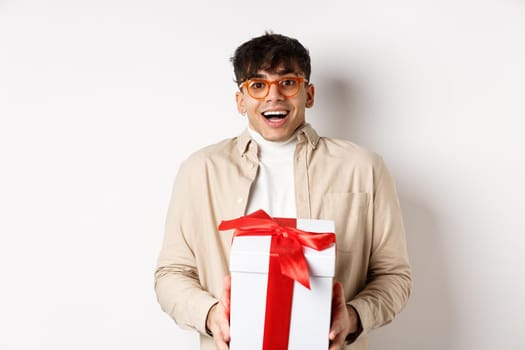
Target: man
[[280, 164]]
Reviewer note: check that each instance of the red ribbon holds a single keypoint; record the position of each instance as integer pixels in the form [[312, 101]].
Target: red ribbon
[[289, 241], [287, 263]]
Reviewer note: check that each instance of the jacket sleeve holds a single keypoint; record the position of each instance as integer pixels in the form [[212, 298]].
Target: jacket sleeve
[[389, 278], [177, 285]]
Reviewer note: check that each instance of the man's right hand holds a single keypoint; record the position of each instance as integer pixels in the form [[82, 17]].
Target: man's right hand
[[218, 320]]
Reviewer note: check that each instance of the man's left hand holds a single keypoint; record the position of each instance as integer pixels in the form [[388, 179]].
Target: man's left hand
[[344, 319]]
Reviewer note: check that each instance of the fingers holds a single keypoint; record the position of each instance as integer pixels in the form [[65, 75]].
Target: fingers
[[219, 326], [340, 318], [220, 344], [226, 295], [220, 318], [337, 343], [338, 297], [337, 337], [339, 311], [227, 283], [221, 337], [337, 330], [224, 327]]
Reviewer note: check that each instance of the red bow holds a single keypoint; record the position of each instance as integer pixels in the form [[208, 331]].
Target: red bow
[[287, 241]]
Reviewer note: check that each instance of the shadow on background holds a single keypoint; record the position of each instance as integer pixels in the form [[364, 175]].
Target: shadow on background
[[428, 321], [339, 110]]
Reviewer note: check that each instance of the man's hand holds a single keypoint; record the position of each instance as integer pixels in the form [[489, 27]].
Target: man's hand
[[218, 320], [344, 319]]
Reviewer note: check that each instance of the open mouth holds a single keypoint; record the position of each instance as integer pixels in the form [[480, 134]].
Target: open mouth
[[275, 115]]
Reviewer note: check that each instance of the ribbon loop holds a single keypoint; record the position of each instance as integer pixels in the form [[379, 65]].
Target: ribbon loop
[[289, 241]]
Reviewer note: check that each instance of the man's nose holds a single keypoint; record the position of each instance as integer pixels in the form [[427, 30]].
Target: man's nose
[[274, 94]]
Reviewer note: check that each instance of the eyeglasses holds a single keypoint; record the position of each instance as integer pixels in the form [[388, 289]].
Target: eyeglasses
[[260, 88]]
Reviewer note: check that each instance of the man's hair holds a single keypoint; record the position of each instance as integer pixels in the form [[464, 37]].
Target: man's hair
[[270, 52]]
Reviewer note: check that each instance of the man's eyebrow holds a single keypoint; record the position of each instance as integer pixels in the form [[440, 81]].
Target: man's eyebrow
[[283, 71], [258, 75]]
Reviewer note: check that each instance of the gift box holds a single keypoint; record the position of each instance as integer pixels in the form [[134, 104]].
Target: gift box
[[277, 301]]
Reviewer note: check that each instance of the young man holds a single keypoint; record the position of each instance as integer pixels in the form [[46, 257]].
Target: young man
[[280, 164]]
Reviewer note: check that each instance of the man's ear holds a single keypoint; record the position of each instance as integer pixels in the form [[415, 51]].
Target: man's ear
[[310, 92], [239, 99]]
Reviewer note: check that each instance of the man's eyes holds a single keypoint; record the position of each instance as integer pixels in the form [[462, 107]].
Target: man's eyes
[[258, 85], [261, 84], [287, 82]]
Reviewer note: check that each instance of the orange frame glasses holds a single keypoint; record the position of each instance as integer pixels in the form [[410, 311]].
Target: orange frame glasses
[[280, 83]]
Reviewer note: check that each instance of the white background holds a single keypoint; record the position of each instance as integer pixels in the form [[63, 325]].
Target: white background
[[101, 100]]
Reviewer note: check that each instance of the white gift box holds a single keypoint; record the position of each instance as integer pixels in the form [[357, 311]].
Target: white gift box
[[311, 308]]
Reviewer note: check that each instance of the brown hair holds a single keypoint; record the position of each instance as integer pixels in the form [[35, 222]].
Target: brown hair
[[270, 52]]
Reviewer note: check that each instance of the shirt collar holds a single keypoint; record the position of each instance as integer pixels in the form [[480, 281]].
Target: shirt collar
[[305, 132]]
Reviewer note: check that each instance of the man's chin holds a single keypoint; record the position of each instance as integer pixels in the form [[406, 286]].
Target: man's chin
[[277, 136]]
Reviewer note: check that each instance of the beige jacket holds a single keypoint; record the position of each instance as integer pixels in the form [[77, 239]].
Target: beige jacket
[[334, 179]]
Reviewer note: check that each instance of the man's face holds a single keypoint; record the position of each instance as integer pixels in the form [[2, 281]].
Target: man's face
[[276, 117]]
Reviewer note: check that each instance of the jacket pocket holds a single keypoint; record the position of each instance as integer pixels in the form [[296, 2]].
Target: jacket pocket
[[349, 211]]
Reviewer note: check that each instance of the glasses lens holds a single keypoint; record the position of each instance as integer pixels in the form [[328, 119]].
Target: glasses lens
[[289, 86], [258, 88]]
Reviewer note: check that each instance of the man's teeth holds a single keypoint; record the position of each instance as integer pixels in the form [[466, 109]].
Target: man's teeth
[[278, 114]]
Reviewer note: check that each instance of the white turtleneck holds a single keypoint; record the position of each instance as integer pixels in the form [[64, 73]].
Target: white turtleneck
[[274, 188]]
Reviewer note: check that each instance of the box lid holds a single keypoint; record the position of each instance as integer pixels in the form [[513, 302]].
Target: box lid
[[252, 253]]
